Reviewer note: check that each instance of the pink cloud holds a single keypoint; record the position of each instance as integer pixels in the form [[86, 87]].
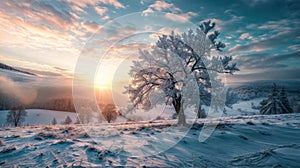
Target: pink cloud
[[180, 17], [85, 3], [101, 10], [92, 27], [160, 6]]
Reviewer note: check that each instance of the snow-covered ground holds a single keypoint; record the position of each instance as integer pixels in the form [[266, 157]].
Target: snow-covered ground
[[42, 117], [238, 141], [243, 108], [38, 116]]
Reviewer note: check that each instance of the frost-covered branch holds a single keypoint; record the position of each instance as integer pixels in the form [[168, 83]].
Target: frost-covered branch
[[175, 62]]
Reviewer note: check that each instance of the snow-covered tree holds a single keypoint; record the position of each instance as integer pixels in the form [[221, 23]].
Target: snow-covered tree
[[68, 120], [180, 69], [277, 103], [294, 104], [77, 121], [109, 112], [54, 122], [16, 115], [297, 109], [285, 101]]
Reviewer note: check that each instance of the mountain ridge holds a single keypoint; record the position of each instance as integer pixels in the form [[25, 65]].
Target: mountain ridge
[[7, 67]]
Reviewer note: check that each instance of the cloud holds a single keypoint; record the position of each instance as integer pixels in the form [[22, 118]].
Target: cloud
[[45, 13], [53, 16], [34, 30], [277, 26], [277, 74], [45, 20], [161, 6], [164, 31], [17, 32], [113, 33], [114, 3], [246, 48], [182, 18], [101, 10], [254, 3], [295, 47], [173, 13], [105, 18], [92, 27], [229, 24], [130, 47], [25, 94], [251, 26], [143, 1], [280, 39], [245, 36], [267, 61], [85, 3], [41, 70]]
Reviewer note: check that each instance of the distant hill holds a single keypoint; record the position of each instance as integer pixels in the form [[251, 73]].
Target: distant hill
[[4, 66], [256, 89]]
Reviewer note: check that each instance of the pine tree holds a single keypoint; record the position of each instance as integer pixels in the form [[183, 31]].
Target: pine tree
[[276, 103], [77, 121], [68, 120], [297, 109], [54, 122], [294, 104], [285, 101]]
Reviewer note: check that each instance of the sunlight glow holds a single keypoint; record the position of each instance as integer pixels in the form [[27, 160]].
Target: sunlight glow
[[102, 86]]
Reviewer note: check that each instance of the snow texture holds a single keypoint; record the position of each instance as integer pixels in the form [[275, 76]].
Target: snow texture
[[238, 141]]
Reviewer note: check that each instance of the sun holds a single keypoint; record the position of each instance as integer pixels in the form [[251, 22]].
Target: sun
[[102, 86]]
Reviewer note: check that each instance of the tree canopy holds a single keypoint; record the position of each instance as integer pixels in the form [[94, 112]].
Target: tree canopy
[[276, 103], [179, 70], [16, 115]]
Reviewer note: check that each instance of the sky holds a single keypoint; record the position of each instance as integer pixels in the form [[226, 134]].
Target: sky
[[50, 37]]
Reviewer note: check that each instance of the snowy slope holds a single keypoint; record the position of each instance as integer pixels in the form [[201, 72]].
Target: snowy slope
[[238, 141], [243, 108]]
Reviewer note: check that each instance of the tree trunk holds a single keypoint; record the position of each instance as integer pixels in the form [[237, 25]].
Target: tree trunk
[[181, 116], [178, 106], [201, 112]]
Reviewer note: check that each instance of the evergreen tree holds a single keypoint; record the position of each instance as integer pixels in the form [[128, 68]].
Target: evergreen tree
[[297, 109], [54, 122], [276, 103], [68, 120], [294, 104], [77, 121], [285, 101]]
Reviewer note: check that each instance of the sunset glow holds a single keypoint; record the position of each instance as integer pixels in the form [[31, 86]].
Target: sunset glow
[[141, 83], [102, 86]]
